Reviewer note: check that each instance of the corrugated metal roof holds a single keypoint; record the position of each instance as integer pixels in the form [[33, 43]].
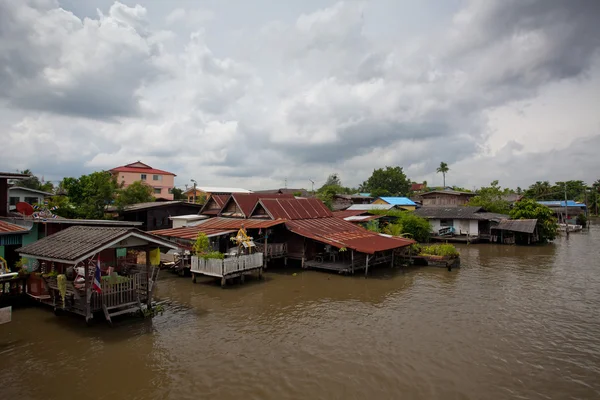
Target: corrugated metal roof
[[292, 209], [517, 225], [218, 225], [399, 201], [367, 207], [26, 189], [219, 189], [78, 242], [247, 201], [451, 192], [362, 218], [461, 212], [340, 233], [558, 203], [6, 228], [348, 213], [155, 204]]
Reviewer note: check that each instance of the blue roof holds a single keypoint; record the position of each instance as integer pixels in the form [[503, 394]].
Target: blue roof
[[399, 201], [561, 203], [365, 194]]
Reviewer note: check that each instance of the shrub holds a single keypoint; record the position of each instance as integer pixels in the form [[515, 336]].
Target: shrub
[[442, 249]]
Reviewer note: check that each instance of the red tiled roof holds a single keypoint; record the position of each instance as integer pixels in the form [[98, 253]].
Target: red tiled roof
[[215, 226], [340, 233], [141, 170], [293, 209], [417, 186], [247, 201], [8, 228]]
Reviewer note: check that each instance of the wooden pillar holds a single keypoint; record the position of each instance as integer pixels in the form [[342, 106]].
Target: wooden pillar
[[88, 297], [352, 262], [266, 255], [367, 266], [393, 251], [148, 294]]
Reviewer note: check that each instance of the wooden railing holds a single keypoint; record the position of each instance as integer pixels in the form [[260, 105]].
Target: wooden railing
[[273, 249], [227, 266], [116, 294]]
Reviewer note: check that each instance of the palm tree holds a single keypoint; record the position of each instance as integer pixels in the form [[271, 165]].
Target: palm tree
[[443, 168]]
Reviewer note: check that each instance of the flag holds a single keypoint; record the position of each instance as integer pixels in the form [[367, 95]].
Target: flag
[[97, 278]]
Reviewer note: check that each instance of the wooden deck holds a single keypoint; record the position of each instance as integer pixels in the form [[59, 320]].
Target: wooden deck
[[456, 239], [359, 263], [227, 268]]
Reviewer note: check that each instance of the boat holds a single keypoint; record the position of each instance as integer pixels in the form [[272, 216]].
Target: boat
[[571, 227]]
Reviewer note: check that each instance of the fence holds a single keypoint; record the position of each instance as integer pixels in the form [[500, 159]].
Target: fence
[[221, 268]]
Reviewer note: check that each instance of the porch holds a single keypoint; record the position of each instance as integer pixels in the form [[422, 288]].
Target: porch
[[349, 264], [227, 268]]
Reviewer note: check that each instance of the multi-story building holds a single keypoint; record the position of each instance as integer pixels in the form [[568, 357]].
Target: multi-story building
[[162, 182]]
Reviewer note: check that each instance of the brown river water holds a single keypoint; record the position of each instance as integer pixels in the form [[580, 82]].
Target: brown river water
[[511, 323]]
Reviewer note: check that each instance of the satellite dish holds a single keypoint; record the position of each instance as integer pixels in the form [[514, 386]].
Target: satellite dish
[[24, 208]]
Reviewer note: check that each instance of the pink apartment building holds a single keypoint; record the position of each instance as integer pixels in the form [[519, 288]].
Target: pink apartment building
[[162, 182]]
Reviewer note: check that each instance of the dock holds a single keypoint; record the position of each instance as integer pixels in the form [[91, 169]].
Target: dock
[[227, 268]]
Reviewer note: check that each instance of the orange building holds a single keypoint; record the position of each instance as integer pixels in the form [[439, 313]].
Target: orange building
[[161, 181]]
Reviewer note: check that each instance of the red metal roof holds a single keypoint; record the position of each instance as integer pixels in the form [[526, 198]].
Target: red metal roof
[[294, 209], [220, 199], [247, 201], [215, 226], [7, 228], [142, 170], [340, 233], [349, 213]]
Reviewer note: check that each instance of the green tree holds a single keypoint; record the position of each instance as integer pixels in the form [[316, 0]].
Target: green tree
[[406, 222], [391, 181], [178, 194], [34, 182], [491, 198], [546, 222], [333, 180], [443, 169], [90, 194], [539, 191], [137, 192]]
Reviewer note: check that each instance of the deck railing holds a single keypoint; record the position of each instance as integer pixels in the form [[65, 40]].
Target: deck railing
[[272, 250], [227, 266], [115, 294]]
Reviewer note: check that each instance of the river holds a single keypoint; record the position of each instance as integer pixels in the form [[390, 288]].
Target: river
[[511, 323]]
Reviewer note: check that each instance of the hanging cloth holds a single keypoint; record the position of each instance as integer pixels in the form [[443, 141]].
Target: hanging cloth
[[155, 256]]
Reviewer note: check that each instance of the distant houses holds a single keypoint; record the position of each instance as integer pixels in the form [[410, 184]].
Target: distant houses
[[206, 192], [403, 203], [162, 182], [343, 201]]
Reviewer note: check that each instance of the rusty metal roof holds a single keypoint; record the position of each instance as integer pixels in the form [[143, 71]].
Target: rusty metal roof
[[349, 213], [294, 209], [6, 228], [340, 233], [517, 225], [77, 243], [247, 201], [216, 226]]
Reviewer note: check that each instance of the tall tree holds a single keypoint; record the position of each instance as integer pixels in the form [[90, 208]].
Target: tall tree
[[137, 192], [491, 198], [443, 169], [391, 181], [178, 194], [90, 194]]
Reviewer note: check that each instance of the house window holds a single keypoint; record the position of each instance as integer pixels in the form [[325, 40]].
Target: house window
[[143, 177], [13, 201], [157, 190], [157, 177], [31, 200], [446, 222]]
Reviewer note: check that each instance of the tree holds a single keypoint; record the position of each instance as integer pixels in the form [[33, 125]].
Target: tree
[[443, 169], [178, 194], [405, 223], [333, 180], [391, 181], [491, 199], [137, 192], [90, 194], [332, 186], [33, 182], [546, 222]]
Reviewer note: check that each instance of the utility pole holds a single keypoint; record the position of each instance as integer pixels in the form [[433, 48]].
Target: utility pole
[[566, 213], [285, 183], [313, 186], [193, 181]]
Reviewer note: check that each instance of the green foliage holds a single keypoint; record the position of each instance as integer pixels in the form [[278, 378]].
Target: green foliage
[[297, 194], [530, 209], [332, 186], [389, 181], [575, 190], [333, 180], [137, 192], [213, 254], [202, 244], [33, 182], [581, 220], [373, 226], [491, 199], [406, 223], [89, 194], [439, 249], [178, 194]]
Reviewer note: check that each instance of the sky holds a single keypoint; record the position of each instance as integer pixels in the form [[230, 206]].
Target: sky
[[266, 93]]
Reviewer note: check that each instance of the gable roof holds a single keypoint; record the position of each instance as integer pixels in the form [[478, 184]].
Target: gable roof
[[216, 226], [460, 212], [140, 167], [218, 200], [343, 234], [399, 201], [293, 209], [29, 190], [157, 204], [78, 243], [246, 202]]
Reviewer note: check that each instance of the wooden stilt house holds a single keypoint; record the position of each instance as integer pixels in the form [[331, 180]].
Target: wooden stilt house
[[70, 258]]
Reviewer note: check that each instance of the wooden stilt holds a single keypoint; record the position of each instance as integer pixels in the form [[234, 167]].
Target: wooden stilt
[[148, 294], [367, 266], [193, 277], [352, 262], [393, 258]]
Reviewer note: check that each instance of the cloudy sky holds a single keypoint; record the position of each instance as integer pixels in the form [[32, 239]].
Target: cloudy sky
[[251, 93]]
